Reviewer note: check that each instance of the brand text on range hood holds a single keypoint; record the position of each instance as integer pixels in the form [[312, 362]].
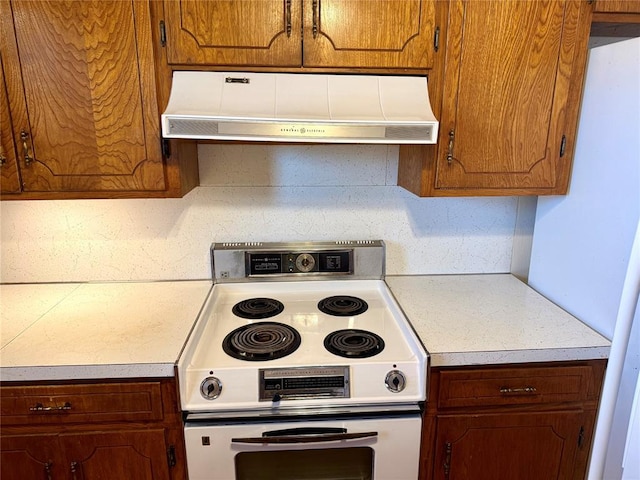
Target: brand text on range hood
[[299, 108]]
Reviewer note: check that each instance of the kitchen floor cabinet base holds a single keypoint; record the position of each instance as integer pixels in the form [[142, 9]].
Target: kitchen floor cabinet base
[[505, 422], [107, 430]]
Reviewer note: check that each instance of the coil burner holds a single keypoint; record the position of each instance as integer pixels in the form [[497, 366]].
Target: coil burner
[[258, 342], [342, 306], [352, 343], [257, 308]]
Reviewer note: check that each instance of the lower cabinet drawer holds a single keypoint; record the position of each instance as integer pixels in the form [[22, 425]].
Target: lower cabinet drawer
[[85, 403], [513, 386]]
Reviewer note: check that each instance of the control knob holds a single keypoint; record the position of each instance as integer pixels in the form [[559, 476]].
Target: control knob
[[210, 388], [395, 381], [305, 262]]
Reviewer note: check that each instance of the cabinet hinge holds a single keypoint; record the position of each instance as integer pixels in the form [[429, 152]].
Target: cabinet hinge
[[436, 39], [171, 456], [166, 148], [163, 34], [581, 437]]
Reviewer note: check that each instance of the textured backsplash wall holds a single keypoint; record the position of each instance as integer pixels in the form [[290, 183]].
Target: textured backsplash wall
[[253, 193]]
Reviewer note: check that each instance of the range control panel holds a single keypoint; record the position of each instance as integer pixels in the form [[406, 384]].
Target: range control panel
[[276, 263], [278, 384]]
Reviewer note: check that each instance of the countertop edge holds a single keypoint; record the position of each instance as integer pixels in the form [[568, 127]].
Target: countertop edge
[[465, 359], [86, 372]]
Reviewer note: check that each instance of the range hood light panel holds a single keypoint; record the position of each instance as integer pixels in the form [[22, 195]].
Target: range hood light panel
[[299, 108]]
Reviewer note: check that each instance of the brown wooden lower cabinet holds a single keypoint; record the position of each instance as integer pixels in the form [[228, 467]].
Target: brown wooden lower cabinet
[[92, 431], [531, 421]]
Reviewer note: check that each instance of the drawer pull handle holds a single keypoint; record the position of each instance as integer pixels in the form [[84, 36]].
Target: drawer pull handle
[[41, 408], [518, 390]]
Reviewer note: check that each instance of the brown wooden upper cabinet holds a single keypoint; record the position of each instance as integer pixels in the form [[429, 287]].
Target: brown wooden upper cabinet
[[617, 6], [395, 34], [512, 85], [78, 97]]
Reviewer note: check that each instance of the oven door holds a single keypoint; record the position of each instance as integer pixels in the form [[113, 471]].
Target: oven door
[[384, 448]]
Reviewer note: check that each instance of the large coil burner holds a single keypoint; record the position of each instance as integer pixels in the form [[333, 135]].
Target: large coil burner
[[342, 306], [258, 342], [352, 343]]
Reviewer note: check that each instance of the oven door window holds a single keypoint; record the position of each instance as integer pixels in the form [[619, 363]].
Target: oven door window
[[354, 463]]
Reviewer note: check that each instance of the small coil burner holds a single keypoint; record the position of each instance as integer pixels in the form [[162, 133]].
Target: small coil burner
[[342, 306], [258, 308], [353, 343], [258, 342]]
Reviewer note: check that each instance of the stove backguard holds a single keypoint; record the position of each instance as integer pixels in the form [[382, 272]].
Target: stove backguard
[[273, 261]]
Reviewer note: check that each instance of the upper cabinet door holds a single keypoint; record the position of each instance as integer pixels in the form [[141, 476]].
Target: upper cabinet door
[[9, 177], [369, 33], [617, 6], [513, 77], [232, 32], [86, 111]]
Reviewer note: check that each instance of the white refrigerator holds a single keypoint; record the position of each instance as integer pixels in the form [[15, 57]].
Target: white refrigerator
[[583, 256]]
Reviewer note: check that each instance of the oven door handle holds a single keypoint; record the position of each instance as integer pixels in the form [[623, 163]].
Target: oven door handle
[[305, 435]]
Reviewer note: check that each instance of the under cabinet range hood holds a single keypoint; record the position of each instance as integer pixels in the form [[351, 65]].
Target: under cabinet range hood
[[281, 107]]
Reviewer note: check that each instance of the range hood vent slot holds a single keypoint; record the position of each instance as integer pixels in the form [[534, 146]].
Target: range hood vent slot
[[300, 108]]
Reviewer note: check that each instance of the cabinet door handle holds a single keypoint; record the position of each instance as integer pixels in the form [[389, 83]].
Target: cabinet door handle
[[450, 149], [38, 407], [74, 469], [24, 136], [47, 469], [525, 390], [447, 460], [315, 8], [288, 16]]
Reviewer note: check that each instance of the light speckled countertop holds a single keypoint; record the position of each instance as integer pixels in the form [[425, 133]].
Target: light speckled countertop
[[119, 330], [491, 319], [96, 330]]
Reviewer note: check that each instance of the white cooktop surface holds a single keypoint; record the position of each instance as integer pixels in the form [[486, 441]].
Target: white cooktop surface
[[204, 357], [301, 312]]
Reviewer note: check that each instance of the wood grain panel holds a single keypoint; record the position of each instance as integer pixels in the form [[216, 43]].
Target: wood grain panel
[[124, 454], [228, 32], [513, 76], [87, 70], [501, 90], [517, 386], [529, 446], [87, 403], [9, 177], [617, 6], [369, 33], [30, 457]]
